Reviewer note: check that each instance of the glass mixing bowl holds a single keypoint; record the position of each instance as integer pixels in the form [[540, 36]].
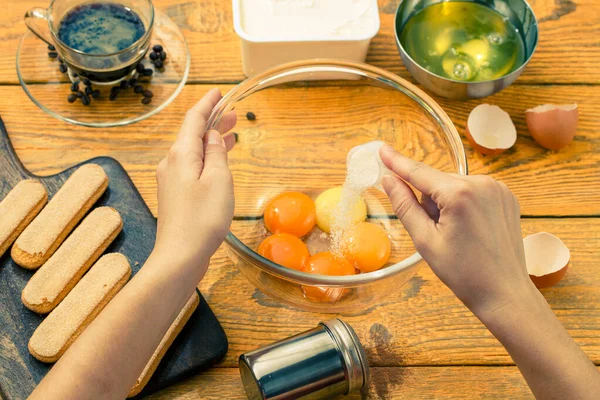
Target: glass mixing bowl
[[309, 114]]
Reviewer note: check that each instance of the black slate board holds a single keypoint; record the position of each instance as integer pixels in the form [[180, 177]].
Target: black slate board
[[201, 343]]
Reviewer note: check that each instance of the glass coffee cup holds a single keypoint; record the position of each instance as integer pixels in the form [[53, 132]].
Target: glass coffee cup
[[98, 63]]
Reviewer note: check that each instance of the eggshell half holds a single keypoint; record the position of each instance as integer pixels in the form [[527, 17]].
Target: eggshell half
[[552, 126], [490, 130], [547, 259]]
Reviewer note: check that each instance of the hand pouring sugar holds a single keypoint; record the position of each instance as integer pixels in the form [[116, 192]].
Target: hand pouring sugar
[[364, 169]]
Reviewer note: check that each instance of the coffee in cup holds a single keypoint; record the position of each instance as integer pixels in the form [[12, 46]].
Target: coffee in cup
[[102, 41]]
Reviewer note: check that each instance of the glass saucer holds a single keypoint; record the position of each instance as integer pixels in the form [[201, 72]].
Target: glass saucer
[[49, 88]]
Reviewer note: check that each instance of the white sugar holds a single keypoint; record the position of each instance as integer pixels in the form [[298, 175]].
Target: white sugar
[[362, 169], [362, 173]]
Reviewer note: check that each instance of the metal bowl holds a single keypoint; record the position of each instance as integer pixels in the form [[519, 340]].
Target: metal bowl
[[519, 14]]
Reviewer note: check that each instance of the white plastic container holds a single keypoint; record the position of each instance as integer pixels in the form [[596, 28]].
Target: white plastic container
[[259, 54]]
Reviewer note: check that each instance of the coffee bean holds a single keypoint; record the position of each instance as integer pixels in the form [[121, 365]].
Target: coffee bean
[[162, 56], [115, 90], [80, 94], [157, 48], [88, 90], [71, 98], [74, 74], [250, 116], [140, 68], [138, 89], [74, 86], [146, 100], [153, 56], [158, 64], [147, 93], [52, 54], [124, 85], [62, 68], [148, 72], [85, 100], [113, 96], [60, 60], [132, 82], [87, 82], [96, 94], [51, 47]]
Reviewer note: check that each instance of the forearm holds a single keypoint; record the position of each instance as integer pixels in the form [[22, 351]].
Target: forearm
[[106, 360], [551, 362]]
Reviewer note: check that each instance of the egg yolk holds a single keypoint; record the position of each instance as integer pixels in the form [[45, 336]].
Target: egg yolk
[[327, 203], [285, 249], [367, 246], [326, 263], [290, 212]]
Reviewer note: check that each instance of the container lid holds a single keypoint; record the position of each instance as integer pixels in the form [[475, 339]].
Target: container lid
[[355, 358], [240, 30]]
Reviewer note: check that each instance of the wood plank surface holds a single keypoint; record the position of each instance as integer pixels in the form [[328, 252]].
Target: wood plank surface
[[568, 50], [546, 183], [421, 341], [422, 323], [411, 383]]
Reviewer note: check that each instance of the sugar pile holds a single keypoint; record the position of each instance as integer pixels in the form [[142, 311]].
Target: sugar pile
[[362, 173]]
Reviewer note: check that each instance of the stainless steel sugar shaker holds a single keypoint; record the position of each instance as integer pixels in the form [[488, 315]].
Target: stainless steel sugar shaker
[[317, 364]]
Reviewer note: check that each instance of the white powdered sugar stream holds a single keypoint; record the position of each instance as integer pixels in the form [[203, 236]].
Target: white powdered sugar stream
[[362, 173]]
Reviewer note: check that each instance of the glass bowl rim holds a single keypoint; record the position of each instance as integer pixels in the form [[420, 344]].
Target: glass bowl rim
[[262, 81]]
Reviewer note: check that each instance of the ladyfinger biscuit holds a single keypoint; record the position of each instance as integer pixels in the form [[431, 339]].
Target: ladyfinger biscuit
[[55, 279], [18, 209], [48, 230], [165, 343], [95, 290]]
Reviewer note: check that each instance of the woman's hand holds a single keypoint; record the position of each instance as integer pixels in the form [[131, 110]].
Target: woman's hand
[[195, 187], [195, 207], [467, 228]]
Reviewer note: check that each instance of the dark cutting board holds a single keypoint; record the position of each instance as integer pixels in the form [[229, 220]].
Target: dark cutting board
[[201, 343]]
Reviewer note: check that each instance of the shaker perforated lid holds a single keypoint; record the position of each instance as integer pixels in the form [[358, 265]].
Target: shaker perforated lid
[[354, 354]]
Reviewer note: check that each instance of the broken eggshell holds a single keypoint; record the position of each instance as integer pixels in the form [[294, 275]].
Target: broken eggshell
[[490, 130], [547, 259], [553, 126]]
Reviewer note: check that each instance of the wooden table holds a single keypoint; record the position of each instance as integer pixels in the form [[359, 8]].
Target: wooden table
[[422, 343]]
